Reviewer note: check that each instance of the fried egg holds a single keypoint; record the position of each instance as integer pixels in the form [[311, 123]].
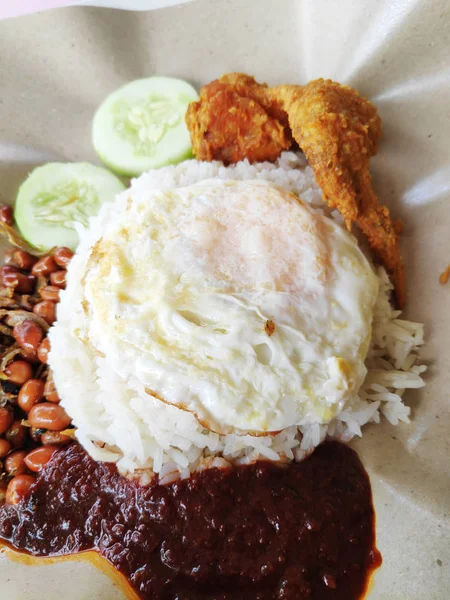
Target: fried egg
[[232, 300]]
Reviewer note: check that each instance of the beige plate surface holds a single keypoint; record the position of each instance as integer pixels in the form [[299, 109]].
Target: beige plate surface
[[56, 67]]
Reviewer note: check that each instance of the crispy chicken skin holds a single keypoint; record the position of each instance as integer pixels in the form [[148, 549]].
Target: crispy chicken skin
[[245, 85], [337, 129]]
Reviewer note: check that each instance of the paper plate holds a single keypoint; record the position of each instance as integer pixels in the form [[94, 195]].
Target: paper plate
[[57, 66]]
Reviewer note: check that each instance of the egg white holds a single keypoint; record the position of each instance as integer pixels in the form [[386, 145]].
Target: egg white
[[232, 300]]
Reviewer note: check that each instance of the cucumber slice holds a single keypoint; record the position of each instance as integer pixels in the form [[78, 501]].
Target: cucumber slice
[[141, 125], [58, 195]]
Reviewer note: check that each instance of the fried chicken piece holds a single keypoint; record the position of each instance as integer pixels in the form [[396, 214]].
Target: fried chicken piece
[[339, 131], [336, 128], [229, 125]]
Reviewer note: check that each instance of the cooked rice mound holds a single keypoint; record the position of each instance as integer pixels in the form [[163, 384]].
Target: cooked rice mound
[[116, 424]]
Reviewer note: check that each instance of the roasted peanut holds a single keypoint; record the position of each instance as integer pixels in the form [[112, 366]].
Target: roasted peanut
[[45, 266], [58, 278], [5, 447], [63, 256], [8, 274], [24, 260], [50, 390], [15, 463], [19, 371], [49, 416], [12, 277], [47, 310], [30, 394], [6, 418], [28, 335], [50, 292], [16, 433], [43, 350], [39, 457], [18, 488], [25, 284], [55, 438], [6, 214]]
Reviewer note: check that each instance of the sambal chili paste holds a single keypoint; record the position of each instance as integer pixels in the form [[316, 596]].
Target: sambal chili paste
[[303, 531]]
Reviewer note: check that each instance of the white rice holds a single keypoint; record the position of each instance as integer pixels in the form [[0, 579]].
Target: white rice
[[176, 444]]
